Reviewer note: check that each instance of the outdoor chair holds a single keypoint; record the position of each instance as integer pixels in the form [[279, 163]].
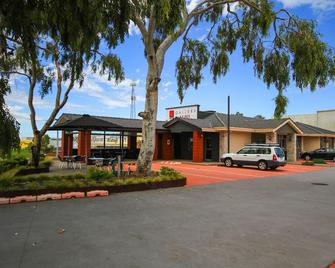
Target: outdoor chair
[[62, 162], [76, 161]]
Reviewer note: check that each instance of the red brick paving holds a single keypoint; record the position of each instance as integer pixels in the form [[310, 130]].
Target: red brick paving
[[202, 174]]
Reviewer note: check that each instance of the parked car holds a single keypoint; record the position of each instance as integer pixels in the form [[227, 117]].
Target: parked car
[[322, 153], [263, 156]]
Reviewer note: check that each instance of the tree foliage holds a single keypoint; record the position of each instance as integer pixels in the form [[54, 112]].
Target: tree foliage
[[9, 127], [52, 43], [282, 47]]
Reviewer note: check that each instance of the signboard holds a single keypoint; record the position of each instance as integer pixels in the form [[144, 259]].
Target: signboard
[[189, 112]]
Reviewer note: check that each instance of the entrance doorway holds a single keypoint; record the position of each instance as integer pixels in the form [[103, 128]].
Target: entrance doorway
[[211, 146], [183, 145], [283, 143]]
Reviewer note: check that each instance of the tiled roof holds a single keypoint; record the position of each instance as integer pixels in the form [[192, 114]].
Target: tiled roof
[[308, 129]]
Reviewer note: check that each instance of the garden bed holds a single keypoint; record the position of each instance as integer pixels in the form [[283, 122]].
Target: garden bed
[[95, 180], [31, 170], [111, 189]]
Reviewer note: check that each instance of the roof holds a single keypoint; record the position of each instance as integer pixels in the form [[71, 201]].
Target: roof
[[308, 129], [78, 121], [214, 119]]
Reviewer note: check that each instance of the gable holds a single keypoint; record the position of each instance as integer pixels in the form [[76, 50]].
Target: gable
[[181, 126]]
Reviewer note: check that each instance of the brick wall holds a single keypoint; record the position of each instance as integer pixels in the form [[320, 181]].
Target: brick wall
[[81, 143], [198, 146], [67, 144]]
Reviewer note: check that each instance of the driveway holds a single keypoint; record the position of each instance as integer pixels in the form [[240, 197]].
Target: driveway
[[207, 174], [276, 222]]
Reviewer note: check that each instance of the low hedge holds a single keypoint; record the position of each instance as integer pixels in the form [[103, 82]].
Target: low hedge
[[319, 161], [94, 178], [308, 163], [8, 164]]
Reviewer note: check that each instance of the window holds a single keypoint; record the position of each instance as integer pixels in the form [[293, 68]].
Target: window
[[259, 138], [248, 150], [243, 151], [279, 152], [263, 151]]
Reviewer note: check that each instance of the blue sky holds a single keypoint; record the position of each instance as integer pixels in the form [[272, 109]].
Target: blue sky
[[249, 95]]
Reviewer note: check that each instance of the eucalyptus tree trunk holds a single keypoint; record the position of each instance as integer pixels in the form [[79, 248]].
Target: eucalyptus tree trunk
[[149, 116], [36, 150]]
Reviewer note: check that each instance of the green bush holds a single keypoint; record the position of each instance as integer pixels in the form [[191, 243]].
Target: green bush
[[167, 171], [319, 161], [45, 163], [308, 163], [98, 174]]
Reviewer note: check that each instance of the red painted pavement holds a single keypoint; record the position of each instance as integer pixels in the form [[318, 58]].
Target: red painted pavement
[[202, 174]]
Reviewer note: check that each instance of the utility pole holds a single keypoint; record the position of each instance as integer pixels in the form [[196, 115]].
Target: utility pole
[[228, 124], [133, 101]]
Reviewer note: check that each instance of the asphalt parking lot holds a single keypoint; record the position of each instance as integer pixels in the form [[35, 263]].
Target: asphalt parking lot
[[285, 221], [203, 174]]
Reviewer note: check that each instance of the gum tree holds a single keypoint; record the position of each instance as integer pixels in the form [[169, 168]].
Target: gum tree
[[282, 47], [51, 43]]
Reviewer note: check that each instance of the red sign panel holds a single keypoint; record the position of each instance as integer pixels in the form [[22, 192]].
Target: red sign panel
[[171, 113]]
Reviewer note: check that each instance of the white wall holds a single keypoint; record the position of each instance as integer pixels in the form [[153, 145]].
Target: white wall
[[322, 119]]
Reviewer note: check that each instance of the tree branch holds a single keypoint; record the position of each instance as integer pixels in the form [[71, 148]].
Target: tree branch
[[31, 99]]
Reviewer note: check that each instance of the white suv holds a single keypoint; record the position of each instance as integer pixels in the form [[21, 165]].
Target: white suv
[[263, 156]]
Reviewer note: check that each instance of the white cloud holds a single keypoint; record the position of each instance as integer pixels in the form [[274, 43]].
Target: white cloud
[[166, 84], [191, 4], [109, 93], [133, 29], [319, 5], [138, 70], [18, 112], [20, 97]]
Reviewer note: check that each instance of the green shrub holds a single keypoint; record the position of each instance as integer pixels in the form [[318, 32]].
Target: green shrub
[[308, 163], [167, 171], [45, 163], [319, 161], [98, 174]]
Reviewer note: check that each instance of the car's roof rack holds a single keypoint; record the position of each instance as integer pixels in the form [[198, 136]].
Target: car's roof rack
[[263, 144]]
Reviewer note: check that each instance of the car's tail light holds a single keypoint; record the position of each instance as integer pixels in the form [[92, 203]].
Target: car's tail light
[[274, 158]]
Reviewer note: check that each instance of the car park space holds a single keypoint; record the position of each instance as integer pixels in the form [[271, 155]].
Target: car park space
[[208, 174]]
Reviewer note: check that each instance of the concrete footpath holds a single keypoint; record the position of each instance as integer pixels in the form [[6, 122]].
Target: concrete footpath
[[279, 222]]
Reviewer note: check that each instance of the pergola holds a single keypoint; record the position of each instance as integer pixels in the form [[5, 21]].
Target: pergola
[[86, 124]]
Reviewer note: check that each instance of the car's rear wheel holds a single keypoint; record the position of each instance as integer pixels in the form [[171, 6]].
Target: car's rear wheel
[[262, 165], [307, 157], [228, 162]]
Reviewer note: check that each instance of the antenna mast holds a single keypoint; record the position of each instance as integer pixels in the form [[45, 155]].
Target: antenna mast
[[133, 100]]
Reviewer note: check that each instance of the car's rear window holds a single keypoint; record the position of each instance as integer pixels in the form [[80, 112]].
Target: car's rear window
[[279, 152]]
